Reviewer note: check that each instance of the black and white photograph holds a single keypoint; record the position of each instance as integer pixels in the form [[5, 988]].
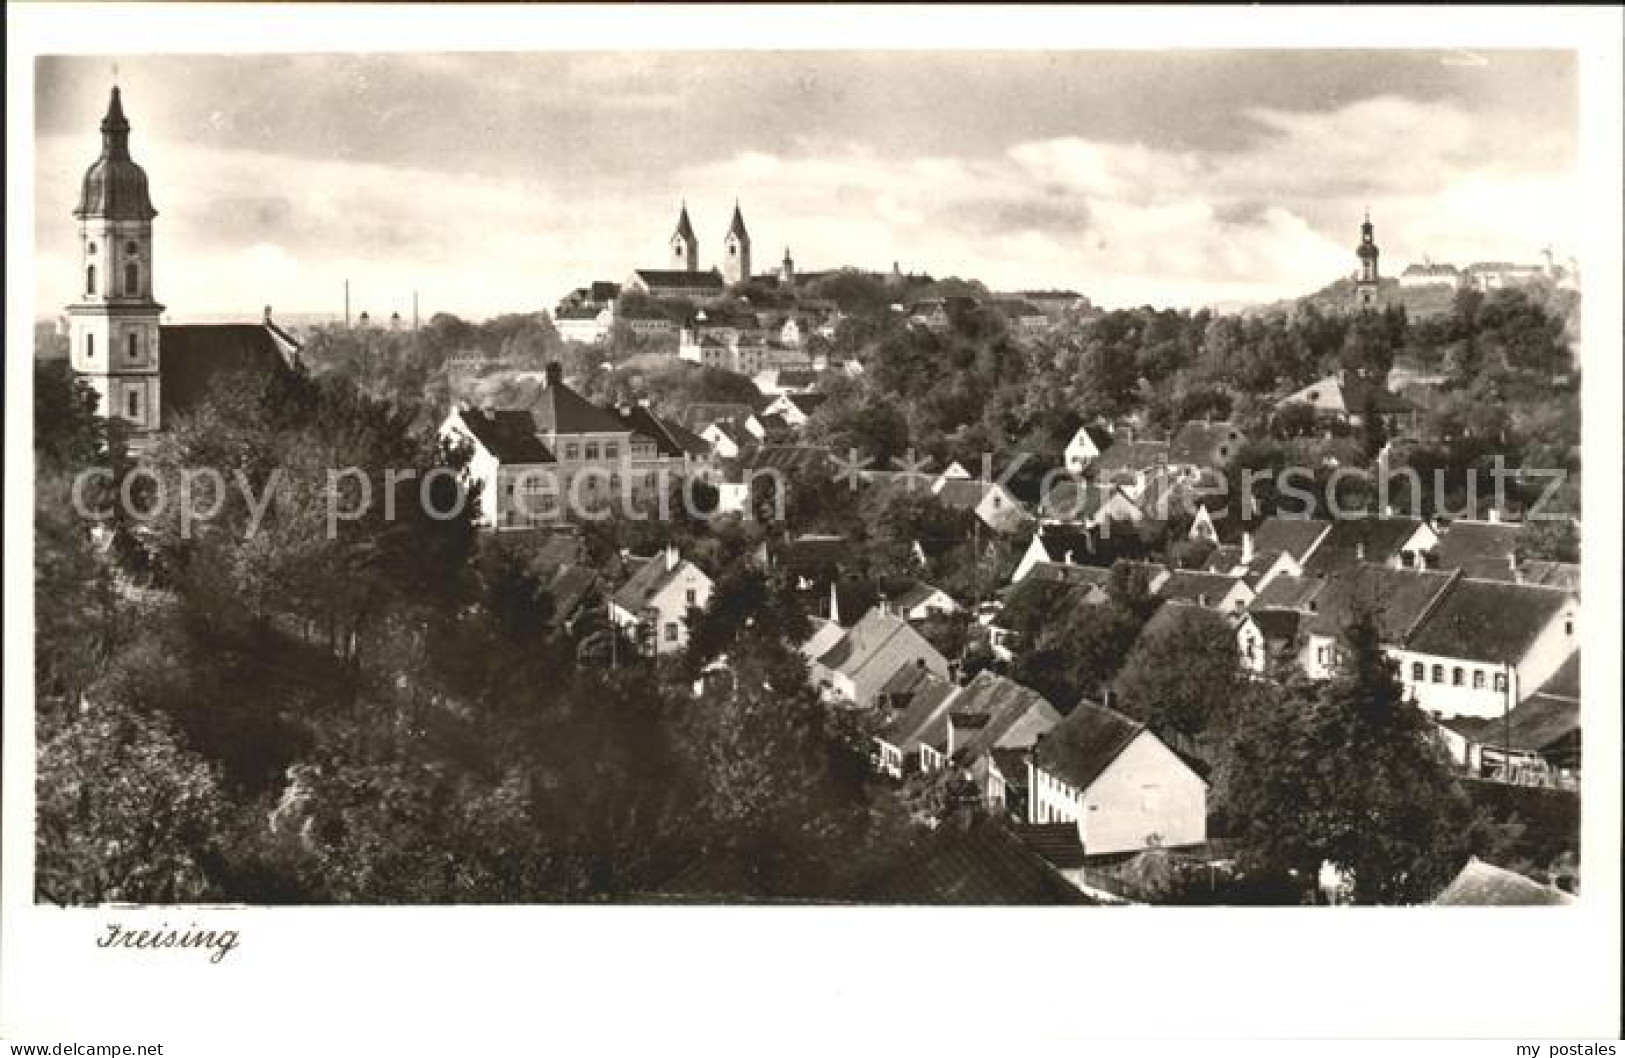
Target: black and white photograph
[[869, 483]]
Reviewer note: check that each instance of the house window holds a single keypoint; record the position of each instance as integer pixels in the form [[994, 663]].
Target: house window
[[572, 451], [1500, 682], [592, 450], [132, 280], [1458, 677], [671, 631], [612, 451], [1438, 674], [692, 597], [134, 345], [1478, 679], [1418, 672], [90, 280]]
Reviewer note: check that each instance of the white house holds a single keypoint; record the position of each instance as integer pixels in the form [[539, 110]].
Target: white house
[[920, 601], [726, 439], [653, 605], [1117, 782], [588, 324], [515, 474], [855, 667], [1086, 446], [1487, 646], [1219, 592], [991, 502]]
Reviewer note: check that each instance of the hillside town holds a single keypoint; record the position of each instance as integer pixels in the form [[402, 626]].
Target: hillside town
[[858, 583]]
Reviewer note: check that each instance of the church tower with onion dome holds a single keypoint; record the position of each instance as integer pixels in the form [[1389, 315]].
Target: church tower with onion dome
[[114, 324], [1365, 280]]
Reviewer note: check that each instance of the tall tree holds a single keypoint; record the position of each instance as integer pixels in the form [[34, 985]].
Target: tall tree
[[1348, 773]]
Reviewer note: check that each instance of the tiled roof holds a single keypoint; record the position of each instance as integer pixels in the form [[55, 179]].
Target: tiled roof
[[1132, 455], [795, 459], [677, 278], [1278, 626], [1295, 536], [1354, 540], [509, 435], [877, 640], [927, 702], [1062, 573], [1061, 541], [651, 577], [1441, 270], [989, 706], [699, 416], [1398, 598], [1491, 621], [670, 438], [1483, 884], [1289, 593], [1189, 585], [1466, 543], [1058, 843], [1085, 743], [1533, 726], [560, 410], [1200, 443], [1565, 682], [193, 356], [984, 864]]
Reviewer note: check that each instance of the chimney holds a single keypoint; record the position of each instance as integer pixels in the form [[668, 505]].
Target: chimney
[[1359, 551], [1495, 516], [1201, 600], [1512, 566], [554, 373], [671, 558], [1247, 548], [1068, 557], [267, 314], [1387, 510]]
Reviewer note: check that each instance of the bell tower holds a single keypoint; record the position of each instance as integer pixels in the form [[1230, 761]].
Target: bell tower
[[1365, 281], [685, 248], [736, 250], [113, 326]]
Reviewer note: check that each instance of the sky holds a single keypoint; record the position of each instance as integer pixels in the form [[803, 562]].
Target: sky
[[496, 183]]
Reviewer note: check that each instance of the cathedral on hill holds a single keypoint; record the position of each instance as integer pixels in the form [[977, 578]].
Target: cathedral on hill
[[144, 372], [683, 278]]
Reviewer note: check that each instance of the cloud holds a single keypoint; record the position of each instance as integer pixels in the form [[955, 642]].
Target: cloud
[[1272, 216]]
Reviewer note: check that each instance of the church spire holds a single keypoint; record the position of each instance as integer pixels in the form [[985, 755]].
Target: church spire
[[115, 129]]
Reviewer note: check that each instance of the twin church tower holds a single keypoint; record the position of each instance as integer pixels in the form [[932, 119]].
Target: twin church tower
[[685, 248]]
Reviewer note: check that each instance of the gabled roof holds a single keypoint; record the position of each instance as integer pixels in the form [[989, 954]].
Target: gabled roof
[[1295, 536], [1074, 575], [984, 864], [1466, 543], [1289, 593], [1354, 540], [1537, 725], [1398, 598], [1277, 626], [1099, 435], [700, 415], [1490, 621], [1132, 456], [1565, 682], [1077, 500], [1189, 585], [508, 435], [988, 707], [800, 459], [915, 593], [679, 278], [1059, 541], [806, 403], [1199, 443], [670, 438], [1447, 271], [1059, 843], [570, 588], [648, 581], [560, 410], [877, 641], [1483, 884], [193, 356], [1084, 745], [927, 704]]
